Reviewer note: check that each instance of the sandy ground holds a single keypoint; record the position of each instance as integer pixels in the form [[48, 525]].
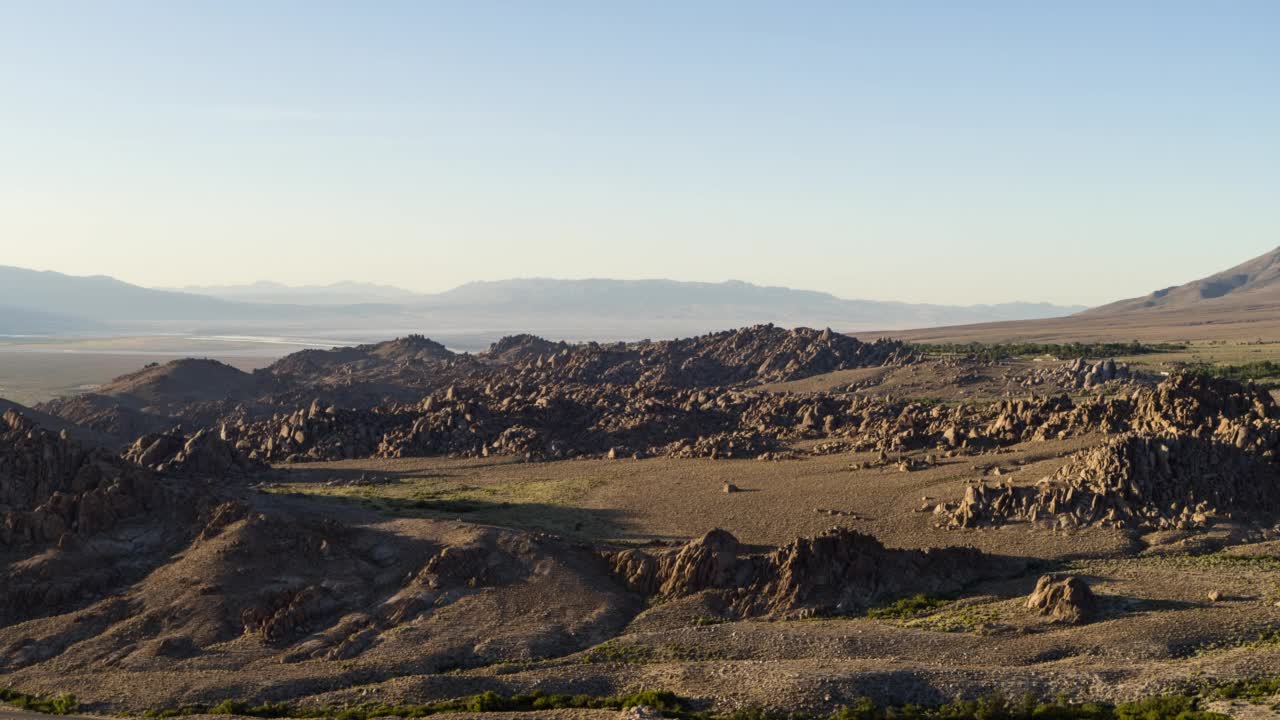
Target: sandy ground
[[637, 501]]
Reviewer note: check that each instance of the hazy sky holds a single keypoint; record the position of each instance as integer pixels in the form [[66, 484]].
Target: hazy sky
[[924, 151]]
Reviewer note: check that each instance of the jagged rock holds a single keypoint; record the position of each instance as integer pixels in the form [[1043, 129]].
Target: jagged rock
[[203, 454], [49, 485], [839, 571], [1065, 600], [1197, 448]]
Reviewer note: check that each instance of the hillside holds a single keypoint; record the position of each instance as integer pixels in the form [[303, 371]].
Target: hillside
[[1245, 285], [1238, 304]]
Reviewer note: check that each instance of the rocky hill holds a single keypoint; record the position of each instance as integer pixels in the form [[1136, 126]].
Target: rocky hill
[[1238, 304]]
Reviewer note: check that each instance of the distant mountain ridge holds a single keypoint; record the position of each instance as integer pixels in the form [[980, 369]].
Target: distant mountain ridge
[[561, 309], [738, 302], [49, 302], [339, 293]]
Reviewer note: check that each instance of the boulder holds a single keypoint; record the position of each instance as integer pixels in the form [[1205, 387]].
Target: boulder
[[1063, 600]]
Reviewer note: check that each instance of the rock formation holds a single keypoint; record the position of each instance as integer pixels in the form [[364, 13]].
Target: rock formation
[[52, 489], [837, 572], [1065, 600]]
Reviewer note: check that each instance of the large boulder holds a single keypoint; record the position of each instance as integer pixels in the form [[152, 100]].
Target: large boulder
[[1063, 600]]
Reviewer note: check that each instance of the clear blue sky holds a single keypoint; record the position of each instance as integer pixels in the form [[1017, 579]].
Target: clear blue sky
[[921, 151]]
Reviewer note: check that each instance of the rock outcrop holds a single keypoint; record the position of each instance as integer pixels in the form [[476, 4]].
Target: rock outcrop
[[1195, 449], [53, 490], [202, 454], [837, 572]]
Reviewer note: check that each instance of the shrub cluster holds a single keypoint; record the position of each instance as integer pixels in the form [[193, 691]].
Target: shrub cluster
[[1265, 373], [63, 704], [1063, 351], [993, 707]]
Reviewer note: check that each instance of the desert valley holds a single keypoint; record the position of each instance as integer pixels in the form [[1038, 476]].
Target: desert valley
[[1068, 517]]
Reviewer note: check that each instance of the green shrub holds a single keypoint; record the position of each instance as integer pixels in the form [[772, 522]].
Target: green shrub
[[907, 607], [1265, 373], [61, 704], [1068, 351]]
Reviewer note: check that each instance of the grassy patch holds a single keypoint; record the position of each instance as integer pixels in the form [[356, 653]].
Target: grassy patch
[[550, 505], [1220, 561], [1065, 351], [955, 619], [615, 652], [908, 607], [62, 704], [1251, 690]]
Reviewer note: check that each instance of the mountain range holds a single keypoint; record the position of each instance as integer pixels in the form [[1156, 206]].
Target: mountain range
[[50, 302]]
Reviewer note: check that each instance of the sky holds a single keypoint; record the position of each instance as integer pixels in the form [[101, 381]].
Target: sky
[[1068, 152]]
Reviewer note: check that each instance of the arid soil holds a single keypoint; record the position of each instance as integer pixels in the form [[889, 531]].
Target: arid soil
[[754, 518]]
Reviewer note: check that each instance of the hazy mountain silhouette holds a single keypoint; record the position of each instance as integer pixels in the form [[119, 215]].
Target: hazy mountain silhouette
[[574, 309], [340, 293]]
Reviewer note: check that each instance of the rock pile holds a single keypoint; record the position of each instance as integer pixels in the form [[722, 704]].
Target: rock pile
[[1081, 374], [1196, 448], [837, 572], [758, 354], [1133, 482], [202, 454], [546, 421]]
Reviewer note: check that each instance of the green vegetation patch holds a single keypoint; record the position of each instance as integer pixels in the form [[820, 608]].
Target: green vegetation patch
[[61, 704], [1064, 351], [936, 613], [991, 707], [908, 607], [996, 707], [1252, 690], [483, 703], [956, 619], [1265, 373], [1222, 561]]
